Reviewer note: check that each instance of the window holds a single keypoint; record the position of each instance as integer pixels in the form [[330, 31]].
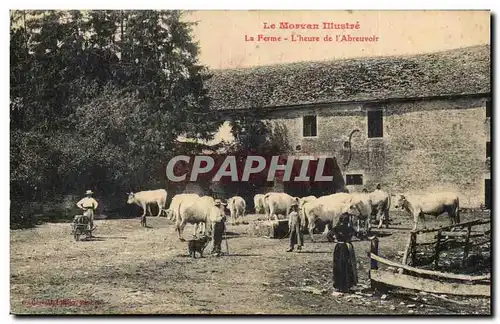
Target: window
[[309, 126], [488, 149], [354, 179], [488, 108], [375, 123]]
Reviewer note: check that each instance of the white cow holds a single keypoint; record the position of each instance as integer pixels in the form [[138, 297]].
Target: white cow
[[433, 204], [265, 206], [327, 209], [144, 198], [258, 203], [172, 212], [194, 211], [278, 203], [217, 213], [176, 200], [363, 204], [236, 206], [324, 209], [381, 202], [304, 200]]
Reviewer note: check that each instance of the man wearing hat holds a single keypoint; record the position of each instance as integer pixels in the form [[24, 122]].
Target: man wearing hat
[[217, 218], [296, 236], [88, 205]]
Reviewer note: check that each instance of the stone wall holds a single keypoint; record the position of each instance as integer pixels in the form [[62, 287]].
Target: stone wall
[[426, 145]]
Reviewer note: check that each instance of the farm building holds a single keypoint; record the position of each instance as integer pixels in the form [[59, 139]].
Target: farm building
[[410, 123]]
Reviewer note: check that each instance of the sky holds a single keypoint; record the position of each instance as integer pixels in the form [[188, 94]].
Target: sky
[[221, 35]]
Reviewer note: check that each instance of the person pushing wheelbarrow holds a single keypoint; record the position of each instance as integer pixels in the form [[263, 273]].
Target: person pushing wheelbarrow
[[88, 205]]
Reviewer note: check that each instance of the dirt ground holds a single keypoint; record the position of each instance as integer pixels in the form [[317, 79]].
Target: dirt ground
[[132, 270]]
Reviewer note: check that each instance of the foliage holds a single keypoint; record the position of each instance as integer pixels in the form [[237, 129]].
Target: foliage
[[254, 135], [98, 99]]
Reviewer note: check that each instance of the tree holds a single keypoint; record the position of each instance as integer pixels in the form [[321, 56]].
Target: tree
[[254, 135], [106, 94]]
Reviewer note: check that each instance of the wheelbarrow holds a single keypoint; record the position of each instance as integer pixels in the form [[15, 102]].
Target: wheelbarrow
[[81, 226]]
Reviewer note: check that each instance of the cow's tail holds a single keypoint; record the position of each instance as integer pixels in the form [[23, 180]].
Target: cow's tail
[[177, 217], [267, 210], [303, 217], [165, 201], [387, 207], [164, 204], [457, 210], [260, 204]]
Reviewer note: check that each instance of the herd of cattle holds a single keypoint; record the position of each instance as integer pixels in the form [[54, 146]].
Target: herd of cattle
[[193, 209]]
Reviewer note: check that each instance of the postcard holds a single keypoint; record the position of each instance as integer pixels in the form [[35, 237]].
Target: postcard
[[250, 162]]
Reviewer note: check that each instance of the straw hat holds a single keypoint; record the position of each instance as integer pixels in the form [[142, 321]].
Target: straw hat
[[88, 192]]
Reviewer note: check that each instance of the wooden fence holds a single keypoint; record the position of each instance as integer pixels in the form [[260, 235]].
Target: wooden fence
[[410, 277], [443, 235]]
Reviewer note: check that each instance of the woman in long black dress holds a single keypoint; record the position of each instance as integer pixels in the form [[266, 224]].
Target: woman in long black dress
[[344, 260]]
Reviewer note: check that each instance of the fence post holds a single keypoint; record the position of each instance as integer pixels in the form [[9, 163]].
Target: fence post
[[373, 263], [466, 245], [413, 248], [406, 254], [374, 250], [437, 249]]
